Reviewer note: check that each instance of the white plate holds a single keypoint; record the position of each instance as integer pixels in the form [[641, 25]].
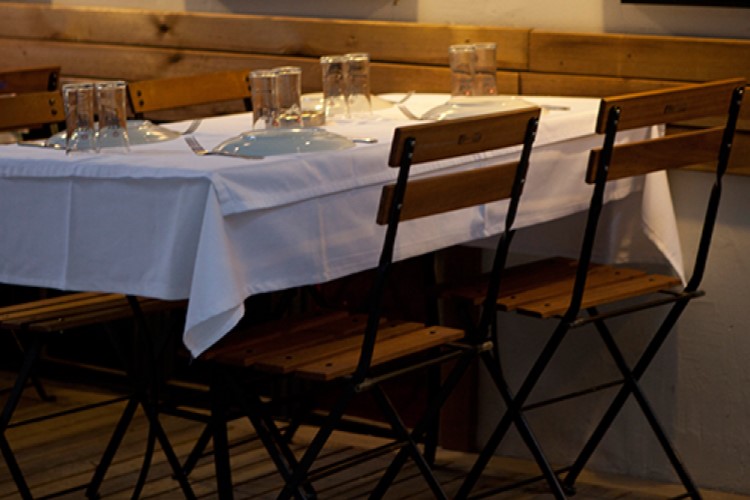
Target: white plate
[[280, 141], [139, 132], [460, 106]]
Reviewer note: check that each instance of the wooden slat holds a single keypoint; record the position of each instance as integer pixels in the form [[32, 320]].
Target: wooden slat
[[177, 92], [43, 310], [538, 83], [559, 290], [436, 195], [31, 109], [76, 310], [669, 105], [462, 136], [331, 346], [29, 79], [739, 161], [385, 41], [515, 280], [638, 56], [603, 293], [639, 158], [301, 339], [239, 344], [403, 77], [131, 63], [386, 350]]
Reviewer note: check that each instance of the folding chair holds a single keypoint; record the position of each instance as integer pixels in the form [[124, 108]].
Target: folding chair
[[358, 352], [147, 97], [571, 292], [34, 323], [35, 79]]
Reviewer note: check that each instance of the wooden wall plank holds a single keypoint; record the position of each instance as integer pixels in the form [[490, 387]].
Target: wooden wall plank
[[385, 41], [87, 60], [639, 56], [586, 86]]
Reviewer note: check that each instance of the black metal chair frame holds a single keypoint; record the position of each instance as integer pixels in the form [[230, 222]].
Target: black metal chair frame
[[573, 319], [143, 378], [298, 474]]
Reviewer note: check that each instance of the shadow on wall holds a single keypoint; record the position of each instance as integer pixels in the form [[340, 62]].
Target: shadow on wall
[[682, 20], [389, 10]]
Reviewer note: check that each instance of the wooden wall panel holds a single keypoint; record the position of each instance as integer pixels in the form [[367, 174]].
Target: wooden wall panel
[[385, 41], [634, 56], [86, 60], [586, 86]]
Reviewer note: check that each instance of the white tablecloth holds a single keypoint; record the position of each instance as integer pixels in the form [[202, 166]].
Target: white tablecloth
[[165, 223]]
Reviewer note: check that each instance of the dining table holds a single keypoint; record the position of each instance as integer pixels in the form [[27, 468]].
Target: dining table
[[164, 222]]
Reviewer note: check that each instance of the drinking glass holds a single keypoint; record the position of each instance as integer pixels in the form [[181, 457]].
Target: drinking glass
[[485, 68], [113, 120], [358, 84], [289, 91], [335, 76], [78, 100], [264, 98], [462, 60]]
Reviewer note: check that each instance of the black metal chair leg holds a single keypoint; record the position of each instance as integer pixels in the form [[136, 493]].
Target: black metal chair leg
[[218, 426], [446, 389], [648, 412], [15, 470], [197, 452], [621, 397], [495, 371], [145, 466], [166, 448], [410, 444], [273, 440], [31, 356], [508, 418], [92, 491], [299, 474]]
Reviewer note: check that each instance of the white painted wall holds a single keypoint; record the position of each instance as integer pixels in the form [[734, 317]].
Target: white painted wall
[[701, 386]]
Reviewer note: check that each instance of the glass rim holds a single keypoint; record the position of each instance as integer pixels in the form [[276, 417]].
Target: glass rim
[[462, 47], [284, 70], [333, 58], [357, 56], [261, 73]]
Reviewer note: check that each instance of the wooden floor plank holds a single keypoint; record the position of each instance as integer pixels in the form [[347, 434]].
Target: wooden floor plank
[[65, 451]]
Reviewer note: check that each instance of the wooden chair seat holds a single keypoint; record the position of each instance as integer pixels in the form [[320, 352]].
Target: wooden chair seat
[[74, 311], [327, 346], [543, 288]]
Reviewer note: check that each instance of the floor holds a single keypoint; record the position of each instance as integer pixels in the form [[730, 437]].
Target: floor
[[62, 453]]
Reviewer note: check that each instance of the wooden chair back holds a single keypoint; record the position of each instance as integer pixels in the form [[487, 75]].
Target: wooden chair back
[[613, 161], [684, 148], [35, 79], [450, 138], [160, 94], [30, 110]]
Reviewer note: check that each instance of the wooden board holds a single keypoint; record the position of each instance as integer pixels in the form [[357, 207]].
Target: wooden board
[[638, 56], [384, 41]]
